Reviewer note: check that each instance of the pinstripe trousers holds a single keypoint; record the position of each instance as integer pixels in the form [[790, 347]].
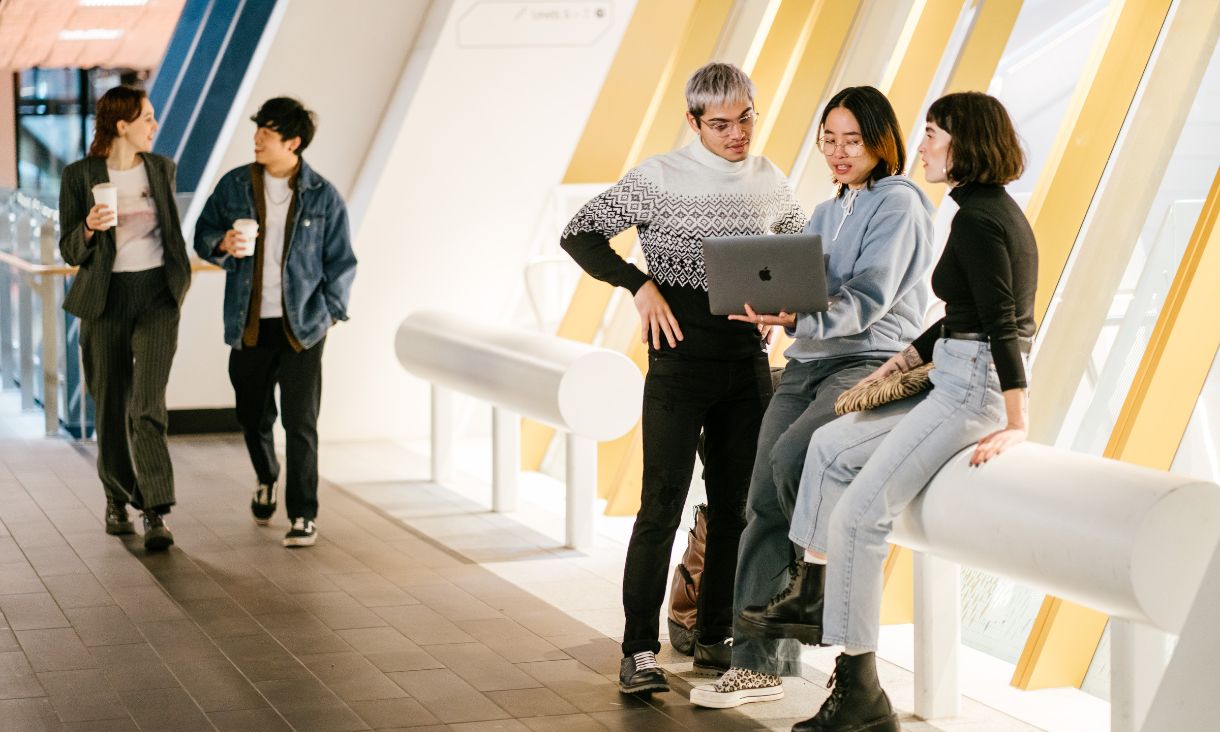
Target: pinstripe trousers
[[127, 356]]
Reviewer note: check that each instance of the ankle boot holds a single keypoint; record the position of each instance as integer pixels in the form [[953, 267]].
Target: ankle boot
[[117, 522], [796, 612], [857, 703]]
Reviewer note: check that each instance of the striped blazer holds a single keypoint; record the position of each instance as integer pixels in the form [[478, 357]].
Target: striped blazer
[[87, 297]]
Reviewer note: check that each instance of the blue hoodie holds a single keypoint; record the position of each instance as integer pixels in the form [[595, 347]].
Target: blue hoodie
[[878, 245]]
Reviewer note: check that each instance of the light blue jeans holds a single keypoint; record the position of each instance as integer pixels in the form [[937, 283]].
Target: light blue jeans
[[864, 468]]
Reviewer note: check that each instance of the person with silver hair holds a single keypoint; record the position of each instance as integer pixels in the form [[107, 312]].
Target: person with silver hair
[[705, 372]]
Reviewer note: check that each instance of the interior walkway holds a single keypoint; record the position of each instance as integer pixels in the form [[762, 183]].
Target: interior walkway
[[378, 626]]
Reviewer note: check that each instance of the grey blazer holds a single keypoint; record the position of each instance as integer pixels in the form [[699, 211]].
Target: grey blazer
[[87, 297]]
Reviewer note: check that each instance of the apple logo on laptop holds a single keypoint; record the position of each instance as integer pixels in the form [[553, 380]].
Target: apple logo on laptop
[[764, 274]]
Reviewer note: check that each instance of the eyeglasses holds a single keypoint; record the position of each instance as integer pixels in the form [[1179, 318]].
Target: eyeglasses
[[722, 128], [851, 149]]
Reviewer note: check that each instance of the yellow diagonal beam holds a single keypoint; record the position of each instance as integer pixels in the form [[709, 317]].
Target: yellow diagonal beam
[[920, 59], [976, 64], [639, 75], [1064, 636], [1078, 158]]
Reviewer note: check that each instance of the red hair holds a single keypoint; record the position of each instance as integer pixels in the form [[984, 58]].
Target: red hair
[[120, 104]]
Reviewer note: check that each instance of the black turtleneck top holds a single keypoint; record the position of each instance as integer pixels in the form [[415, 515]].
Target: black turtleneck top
[[987, 277]]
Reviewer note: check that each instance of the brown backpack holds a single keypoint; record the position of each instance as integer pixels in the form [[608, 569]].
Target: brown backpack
[[684, 587]]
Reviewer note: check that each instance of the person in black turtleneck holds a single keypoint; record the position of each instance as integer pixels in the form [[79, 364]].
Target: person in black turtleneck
[[863, 469]]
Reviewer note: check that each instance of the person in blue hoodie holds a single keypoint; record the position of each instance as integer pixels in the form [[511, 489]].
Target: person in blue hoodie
[[877, 232]]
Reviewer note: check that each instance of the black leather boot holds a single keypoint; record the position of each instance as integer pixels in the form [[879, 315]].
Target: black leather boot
[[713, 658], [857, 703], [794, 613], [157, 535]]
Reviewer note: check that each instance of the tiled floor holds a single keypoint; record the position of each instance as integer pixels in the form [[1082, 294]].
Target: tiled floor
[[386, 623], [375, 627]]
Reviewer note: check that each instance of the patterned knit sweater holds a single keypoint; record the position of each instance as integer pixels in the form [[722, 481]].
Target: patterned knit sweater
[[676, 200]]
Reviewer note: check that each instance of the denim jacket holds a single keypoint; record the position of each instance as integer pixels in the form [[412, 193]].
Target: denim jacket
[[319, 264]]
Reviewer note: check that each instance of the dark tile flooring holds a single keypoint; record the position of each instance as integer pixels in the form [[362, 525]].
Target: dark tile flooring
[[375, 627]]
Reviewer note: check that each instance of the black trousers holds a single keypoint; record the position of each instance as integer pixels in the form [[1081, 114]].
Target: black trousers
[[127, 354], [726, 400], [255, 372]]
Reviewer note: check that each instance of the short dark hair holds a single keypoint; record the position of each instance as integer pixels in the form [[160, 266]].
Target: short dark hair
[[289, 118], [983, 144], [878, 126]]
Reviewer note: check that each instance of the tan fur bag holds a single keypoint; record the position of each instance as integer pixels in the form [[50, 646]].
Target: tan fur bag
[[898, 385]]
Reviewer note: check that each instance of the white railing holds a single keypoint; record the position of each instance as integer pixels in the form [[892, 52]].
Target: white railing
[[589, 393], [31, 265], [1128, 541]]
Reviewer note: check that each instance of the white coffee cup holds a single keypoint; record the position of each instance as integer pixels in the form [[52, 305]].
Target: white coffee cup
[[248, 228], [107, 194]]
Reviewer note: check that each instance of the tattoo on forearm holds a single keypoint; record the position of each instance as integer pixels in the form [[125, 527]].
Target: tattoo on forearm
[[911, 357]]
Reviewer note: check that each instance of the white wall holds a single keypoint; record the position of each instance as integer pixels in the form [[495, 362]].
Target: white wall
[[479, 136], [342, 60]]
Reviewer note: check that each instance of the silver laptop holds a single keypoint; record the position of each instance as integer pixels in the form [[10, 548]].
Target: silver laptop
[[773, 273]]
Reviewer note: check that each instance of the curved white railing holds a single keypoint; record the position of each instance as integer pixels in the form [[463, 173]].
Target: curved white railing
[[590, 393], [1134, 543]]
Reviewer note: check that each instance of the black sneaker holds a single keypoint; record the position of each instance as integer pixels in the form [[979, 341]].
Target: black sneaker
[[157, 535], [304, 532], [262, 505], [640, 674], [117, 522]]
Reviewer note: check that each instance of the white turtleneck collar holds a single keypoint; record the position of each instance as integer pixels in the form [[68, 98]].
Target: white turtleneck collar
[[712, 160]]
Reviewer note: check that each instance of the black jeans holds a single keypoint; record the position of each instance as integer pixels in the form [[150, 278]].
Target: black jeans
[[803, 402], [725, 399], [255, 372]]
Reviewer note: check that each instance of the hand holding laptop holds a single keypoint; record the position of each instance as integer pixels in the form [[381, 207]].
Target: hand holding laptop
[[786, 320]]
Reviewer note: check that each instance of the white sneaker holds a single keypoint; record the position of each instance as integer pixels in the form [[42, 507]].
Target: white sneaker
[[736, 687]]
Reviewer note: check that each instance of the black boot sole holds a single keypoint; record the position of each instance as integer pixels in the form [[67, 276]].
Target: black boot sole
[[704, 669], [650, 687], [881, 724], [810, 635], [155, 541], [123, 529]]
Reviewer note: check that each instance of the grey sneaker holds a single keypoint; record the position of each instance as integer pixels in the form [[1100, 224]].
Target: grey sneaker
[[304, 532], [157, 535], [262, 505]]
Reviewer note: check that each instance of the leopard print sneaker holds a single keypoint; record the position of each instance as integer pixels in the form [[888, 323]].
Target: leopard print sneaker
[[736, 687]]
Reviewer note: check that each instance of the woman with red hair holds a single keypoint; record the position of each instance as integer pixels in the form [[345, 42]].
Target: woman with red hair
[[128, 293]]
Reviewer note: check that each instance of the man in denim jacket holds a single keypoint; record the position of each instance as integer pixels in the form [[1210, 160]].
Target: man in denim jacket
[[283, 290]]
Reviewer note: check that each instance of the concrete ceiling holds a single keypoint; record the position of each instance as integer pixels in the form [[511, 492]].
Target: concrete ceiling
[[30, 33]]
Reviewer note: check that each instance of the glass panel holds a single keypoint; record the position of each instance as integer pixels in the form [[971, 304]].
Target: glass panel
[[1036, 79]]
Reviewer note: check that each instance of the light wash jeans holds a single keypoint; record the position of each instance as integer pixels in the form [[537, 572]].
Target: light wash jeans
[[864, 468]]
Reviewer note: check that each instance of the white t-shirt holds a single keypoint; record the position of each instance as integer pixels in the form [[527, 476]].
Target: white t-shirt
[[137, 235], [276, 196]]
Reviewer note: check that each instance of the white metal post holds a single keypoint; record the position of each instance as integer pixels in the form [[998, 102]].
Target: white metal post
[[442, 434], [505, 459], [50, 331], [938, 630], [1138, 654], [581, 459]]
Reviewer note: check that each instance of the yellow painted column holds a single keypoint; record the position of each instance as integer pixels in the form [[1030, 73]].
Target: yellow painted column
[[976, 65], [1078, 158], [920, 59], [640, 74], [1064, 637]]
